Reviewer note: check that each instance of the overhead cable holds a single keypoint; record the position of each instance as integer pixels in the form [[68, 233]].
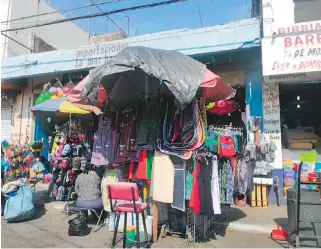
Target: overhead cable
[[97, 14], [61, 11], [96, 5]]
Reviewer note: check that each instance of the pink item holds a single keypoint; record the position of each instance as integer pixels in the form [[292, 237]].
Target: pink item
[[75, 93], [209, 79], [221, 91], [224, 107], [122, 191], [129, 207]]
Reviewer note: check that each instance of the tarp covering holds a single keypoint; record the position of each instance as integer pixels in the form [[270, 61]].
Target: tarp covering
[[180, 73]]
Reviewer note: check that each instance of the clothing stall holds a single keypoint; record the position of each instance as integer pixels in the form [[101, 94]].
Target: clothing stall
[[157, 129]]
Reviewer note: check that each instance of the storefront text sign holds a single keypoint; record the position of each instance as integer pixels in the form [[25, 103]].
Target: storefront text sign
[[293, 53], [271, 119], [308, 157]]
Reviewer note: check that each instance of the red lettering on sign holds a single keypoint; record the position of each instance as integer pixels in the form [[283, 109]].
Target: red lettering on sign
[[309, 39], [299, 28], [287, 42], [298, 41]]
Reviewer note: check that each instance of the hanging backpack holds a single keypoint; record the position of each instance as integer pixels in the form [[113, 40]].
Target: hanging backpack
[[227, 148]]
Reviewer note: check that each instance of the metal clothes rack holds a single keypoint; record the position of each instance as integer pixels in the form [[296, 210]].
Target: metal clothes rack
[[299, 236], [202, 226]]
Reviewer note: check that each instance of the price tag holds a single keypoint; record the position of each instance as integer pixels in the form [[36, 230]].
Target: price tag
[[308, 157]]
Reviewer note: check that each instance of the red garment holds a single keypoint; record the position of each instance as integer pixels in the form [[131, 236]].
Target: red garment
[[227, 148], [142, 163], [195, 202]]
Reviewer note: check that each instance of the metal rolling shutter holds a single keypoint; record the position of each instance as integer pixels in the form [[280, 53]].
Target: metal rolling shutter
[[6, 123]]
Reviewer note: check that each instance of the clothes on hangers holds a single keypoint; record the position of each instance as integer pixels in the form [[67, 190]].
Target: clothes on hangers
[[215, 187], [179, 183], [162, 168], [205, 193]]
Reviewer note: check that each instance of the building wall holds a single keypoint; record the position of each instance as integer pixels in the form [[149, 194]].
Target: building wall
[[59, 36], [291, 49]]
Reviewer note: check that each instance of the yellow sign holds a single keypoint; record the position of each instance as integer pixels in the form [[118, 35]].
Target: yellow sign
[[308, 157]]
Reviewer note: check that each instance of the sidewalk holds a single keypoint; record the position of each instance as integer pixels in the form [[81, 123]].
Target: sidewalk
[[247, 227]]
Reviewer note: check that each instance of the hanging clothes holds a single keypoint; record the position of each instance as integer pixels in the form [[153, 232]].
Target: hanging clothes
[[179, 183], [241, 177], [195, 202], [110, 176], [162, 184], [103, 147], [147, 123], [205, 188], [144, 167], [229, 183], [215, 187]]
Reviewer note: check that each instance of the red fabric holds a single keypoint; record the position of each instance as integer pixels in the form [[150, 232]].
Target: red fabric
[[129, 207], [220, 91], [101, 96], [209, 79], [142, 163], [131, 171], [227, 148], [122, 191], [195, 202], [224, 107]]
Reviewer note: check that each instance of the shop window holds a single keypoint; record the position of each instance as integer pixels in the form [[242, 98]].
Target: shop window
[[307, 10]]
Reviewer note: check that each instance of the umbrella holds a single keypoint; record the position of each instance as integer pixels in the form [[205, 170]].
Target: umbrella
[[137, 72], [56, 107]]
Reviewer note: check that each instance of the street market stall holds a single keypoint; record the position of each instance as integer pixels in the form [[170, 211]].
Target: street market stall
[[166, 123]]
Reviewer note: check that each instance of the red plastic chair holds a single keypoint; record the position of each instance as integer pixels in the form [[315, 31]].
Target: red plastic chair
[[127, 192]]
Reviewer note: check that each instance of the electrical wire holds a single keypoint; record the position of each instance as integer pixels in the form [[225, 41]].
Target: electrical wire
[[98, 14], [62, 11], [96, 5]]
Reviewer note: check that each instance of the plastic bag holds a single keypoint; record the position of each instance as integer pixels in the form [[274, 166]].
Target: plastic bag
[[21, 206], [67, 88], [56, 90], [78, 226], [44, 95]]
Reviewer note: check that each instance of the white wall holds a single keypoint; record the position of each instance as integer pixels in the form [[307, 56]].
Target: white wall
[[63, 35]]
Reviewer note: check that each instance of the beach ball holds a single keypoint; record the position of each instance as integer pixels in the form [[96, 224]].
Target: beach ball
[[53, 90], [60, 93], [67, 90], [29, 158], [54, 97]]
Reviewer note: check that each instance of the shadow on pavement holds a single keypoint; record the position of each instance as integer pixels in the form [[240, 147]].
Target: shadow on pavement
[[221, 227]]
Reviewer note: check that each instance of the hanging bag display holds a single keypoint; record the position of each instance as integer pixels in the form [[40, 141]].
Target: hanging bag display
[[227, 148]]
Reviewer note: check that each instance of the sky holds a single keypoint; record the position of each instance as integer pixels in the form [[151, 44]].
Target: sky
[[190, 14]]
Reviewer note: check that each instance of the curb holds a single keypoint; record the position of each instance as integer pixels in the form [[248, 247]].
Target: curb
[[243, 227]]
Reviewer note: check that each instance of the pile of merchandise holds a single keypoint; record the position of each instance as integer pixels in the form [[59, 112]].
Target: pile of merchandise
[[71, 151]]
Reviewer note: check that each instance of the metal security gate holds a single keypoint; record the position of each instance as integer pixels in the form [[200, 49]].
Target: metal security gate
[[6, 116]]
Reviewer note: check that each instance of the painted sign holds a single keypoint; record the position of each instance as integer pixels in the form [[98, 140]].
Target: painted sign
[[187, 41], [308, 157], [271, 119], [294, 55]]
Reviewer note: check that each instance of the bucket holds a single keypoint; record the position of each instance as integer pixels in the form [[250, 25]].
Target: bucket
[[149, 227], [130, 235]]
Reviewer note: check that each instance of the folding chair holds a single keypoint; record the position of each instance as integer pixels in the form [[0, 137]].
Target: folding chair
[[127, 192]]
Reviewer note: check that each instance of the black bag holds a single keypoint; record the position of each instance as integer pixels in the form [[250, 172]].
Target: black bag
[[78, 226]]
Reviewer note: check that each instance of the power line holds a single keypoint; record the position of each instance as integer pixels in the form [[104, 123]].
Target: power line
[[98, 14], [17, 42], [96, 5], [61, 11]]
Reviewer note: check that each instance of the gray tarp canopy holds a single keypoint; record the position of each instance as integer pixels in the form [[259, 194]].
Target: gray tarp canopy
[[137, 71]]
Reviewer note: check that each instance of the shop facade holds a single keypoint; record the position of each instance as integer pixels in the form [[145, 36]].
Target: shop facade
[[291, 48], [215, 46]]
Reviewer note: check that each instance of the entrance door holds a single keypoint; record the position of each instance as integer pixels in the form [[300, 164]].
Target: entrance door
[[6, 116]]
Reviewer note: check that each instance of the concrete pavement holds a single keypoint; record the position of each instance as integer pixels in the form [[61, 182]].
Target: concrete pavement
[[247, 227]]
